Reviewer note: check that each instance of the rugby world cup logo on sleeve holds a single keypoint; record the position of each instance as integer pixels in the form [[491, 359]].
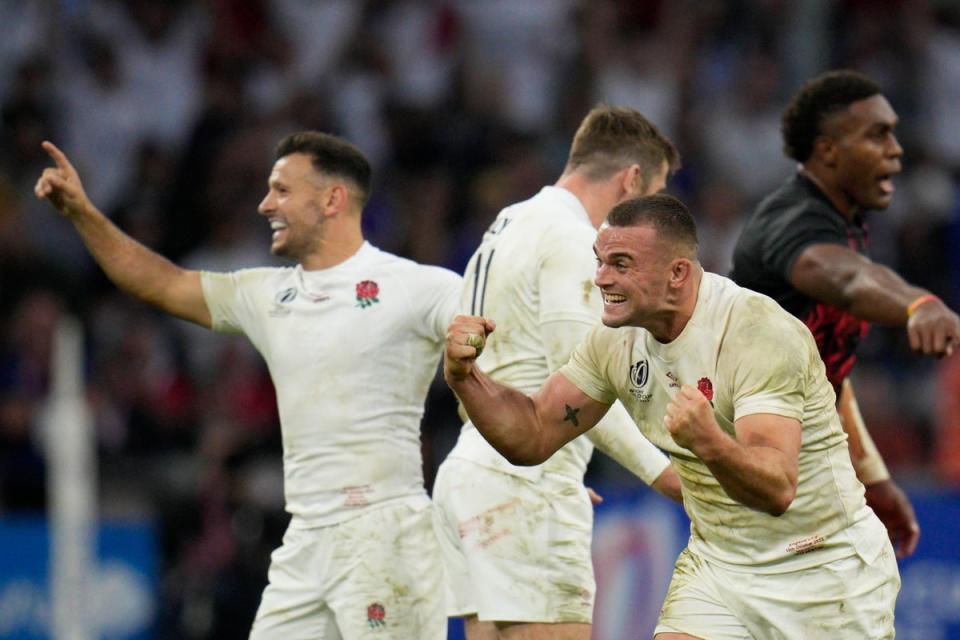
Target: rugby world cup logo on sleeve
[[281, 302], [367, 292], [639, 374]]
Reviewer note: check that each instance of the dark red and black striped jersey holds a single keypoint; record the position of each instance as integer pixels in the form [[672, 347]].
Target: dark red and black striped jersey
[[785, 223]]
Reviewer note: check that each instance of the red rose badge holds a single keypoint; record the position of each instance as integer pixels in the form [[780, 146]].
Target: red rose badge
[[376, 614], [367, 292], [706, 388]]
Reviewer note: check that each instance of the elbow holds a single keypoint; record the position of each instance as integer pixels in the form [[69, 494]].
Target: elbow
[[780, 502], [524, 457]]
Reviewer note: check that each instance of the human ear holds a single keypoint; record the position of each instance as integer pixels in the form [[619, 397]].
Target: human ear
[[825, 149], [680, 270], [633, 180], [336, 198]]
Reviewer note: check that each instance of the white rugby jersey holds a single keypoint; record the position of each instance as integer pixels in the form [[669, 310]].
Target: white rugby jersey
[[748, 356], [352, 351], [533, 275]]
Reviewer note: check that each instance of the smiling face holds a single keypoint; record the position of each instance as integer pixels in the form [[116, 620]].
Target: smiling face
[[294, 207], [633, 274], [863, 152]]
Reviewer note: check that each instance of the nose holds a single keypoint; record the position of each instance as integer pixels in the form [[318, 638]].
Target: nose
[[267, 205], [894, 149], [602, 276]]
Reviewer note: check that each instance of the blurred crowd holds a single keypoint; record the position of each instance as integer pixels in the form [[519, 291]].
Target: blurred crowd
[[170, 110]]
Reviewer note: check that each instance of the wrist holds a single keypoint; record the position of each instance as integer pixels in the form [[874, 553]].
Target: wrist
[[715, 448], [918, 302]]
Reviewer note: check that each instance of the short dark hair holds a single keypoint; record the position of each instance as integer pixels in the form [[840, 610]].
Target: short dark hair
[[817, 100], [667, 215], [612, 138], [331, 155]]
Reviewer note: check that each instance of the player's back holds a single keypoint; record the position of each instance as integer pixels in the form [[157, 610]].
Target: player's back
[[533, 275], [510, 279]]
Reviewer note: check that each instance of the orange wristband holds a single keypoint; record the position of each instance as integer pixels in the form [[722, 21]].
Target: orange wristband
[[913, 306]]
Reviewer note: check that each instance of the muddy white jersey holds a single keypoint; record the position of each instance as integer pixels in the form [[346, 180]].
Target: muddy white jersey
[[352, 351], [748, 356], [533, 275]]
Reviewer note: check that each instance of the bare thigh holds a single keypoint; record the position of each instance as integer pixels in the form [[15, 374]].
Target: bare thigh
[[543, 631], [473, 629], [675, 636], [480, 630]]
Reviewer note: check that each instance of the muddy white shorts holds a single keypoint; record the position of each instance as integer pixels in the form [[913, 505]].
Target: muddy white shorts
[[374, 576], [514, 550], [846, 599]]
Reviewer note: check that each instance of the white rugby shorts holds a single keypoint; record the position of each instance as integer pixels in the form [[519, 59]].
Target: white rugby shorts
[[377, 575], [846, 599], [514, 550]]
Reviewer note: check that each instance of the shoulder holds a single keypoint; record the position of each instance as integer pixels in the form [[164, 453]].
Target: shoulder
[[412, 273], [250, 277], [761, 319], [793, 206]]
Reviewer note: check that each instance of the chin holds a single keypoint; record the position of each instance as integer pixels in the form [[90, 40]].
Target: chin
[[280, 250], [611, 321], [876, 200]]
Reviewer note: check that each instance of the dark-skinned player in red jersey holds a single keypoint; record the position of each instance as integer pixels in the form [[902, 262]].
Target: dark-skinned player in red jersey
[[806, 244]]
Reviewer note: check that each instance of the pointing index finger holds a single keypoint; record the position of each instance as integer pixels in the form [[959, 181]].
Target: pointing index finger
[[58, 156]]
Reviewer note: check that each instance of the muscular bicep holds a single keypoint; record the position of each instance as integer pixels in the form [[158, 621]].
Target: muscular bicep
[[774, 432], [825, 272], [564, 412]]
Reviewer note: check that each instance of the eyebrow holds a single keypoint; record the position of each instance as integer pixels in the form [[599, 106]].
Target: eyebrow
[[620, 255]]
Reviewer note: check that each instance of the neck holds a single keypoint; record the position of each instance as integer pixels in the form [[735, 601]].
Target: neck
[[337, 246], [822, 179], [596, 197], [671, 322]]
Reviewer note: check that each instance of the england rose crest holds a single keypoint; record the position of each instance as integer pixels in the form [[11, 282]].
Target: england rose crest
[[367, 292], [706, 388], [376, 615]]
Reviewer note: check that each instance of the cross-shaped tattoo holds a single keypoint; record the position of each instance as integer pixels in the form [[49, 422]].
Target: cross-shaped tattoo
[[572, 415]]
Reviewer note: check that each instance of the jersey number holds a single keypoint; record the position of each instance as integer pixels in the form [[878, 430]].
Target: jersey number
[[480, 283]]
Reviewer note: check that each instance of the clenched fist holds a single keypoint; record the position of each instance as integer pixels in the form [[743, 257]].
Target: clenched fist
[[466, 338], [690, 420]]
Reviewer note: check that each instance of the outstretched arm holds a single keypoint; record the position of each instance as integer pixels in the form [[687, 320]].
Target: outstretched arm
[[759, 468], [842, 277], [526, 430], [135, 269]]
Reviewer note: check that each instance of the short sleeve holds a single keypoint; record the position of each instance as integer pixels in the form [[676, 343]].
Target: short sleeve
[[766, 358], [439, 291], [229, 298], [569, 301], [566, 272], [798, 227], [586, 368]]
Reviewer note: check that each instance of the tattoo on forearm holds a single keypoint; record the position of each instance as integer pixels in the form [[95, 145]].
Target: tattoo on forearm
[[572, 415]]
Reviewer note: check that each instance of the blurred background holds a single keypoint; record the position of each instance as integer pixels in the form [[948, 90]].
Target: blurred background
[[170, 110]]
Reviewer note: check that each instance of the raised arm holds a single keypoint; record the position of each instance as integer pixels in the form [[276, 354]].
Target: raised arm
[[758, 468], [131, 266], [526, 430], [842, 277]]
